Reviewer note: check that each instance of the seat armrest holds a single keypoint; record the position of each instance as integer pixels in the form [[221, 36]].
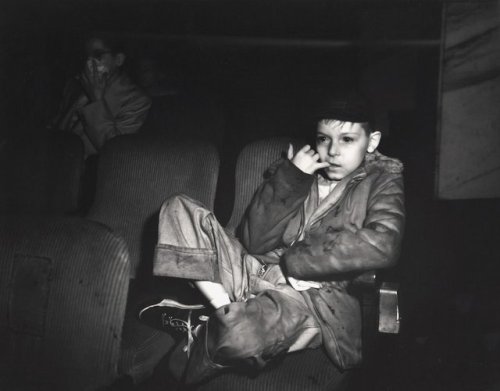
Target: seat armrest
[[389, 318], [383, 295]]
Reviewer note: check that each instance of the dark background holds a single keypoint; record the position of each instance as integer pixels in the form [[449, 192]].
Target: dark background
[[250, 69]]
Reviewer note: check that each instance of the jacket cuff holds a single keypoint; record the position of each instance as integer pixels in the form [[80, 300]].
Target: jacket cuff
[[299, 181]]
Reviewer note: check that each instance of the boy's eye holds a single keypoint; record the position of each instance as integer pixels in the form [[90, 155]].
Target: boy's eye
[[347, 139], [321, 139]]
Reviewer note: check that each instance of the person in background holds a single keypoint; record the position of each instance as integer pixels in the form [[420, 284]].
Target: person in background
[[101, 102]]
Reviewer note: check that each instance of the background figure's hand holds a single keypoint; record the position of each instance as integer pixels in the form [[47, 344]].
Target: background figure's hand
[[93, 81], [67, 119], [306, 159], [300, 285], [81, 101]]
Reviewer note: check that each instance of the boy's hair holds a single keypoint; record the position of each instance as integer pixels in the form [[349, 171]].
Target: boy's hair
[[114, 42], [367, 127], [351, 107]]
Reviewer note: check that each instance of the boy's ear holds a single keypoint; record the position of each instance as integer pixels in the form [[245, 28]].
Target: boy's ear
[[120, 59], [374, 141]]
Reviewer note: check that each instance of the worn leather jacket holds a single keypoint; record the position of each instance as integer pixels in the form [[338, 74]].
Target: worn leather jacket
[[357, 227]]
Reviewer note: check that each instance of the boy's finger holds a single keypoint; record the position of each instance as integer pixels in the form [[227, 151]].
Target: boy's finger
[[321, 165], [289, 154], [305, 148]]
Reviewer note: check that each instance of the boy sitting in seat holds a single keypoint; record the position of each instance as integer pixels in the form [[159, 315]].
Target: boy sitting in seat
[[322, 217]]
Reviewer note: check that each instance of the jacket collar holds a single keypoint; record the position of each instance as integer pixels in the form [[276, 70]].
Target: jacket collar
[[373, 161], [377, 161]]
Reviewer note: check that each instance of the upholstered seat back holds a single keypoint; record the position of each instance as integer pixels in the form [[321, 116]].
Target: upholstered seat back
[[136, 174], [63, 290]]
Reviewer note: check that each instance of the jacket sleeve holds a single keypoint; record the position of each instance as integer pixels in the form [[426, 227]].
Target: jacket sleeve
[[73, 98], [274, 204], [325, 253], [101, 123]]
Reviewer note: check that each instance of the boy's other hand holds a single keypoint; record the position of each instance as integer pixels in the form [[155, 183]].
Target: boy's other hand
[[306, 159], [301, 285]]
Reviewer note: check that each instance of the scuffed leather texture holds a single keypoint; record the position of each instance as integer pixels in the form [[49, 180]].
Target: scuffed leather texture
[[243, 336], [253, 166], [361, 230], [259, 329], [274, 205]]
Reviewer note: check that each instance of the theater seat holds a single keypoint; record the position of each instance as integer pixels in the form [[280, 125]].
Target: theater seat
[[136, 174], [307, 369], [41, 173], [63, 290]]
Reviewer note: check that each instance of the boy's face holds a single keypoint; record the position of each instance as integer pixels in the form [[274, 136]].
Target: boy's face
[[343, 145], [100, 56]]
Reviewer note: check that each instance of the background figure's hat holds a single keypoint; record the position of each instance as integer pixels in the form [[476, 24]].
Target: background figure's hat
[[351, 107]]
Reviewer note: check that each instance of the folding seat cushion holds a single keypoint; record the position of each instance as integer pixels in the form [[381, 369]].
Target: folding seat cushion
[[41, 173], [63, 290], [136, 174], [305, 370]]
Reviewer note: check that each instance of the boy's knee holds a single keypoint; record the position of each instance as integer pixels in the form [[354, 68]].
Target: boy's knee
[[238, 337], [263, 326], [176, 203], [176, 200]]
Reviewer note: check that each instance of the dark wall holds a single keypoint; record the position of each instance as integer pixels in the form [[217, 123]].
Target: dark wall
[[259, 58]]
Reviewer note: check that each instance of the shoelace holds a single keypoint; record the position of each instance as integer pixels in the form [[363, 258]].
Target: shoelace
[[184, 326], [190, 340]]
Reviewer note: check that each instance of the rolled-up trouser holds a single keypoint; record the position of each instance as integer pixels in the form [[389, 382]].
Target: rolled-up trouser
[[266, 316]]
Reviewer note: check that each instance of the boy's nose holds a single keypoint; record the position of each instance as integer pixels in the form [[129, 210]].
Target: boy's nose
[[333, 150]]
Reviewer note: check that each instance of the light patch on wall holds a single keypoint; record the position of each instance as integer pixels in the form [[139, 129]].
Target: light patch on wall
[[469, 139]]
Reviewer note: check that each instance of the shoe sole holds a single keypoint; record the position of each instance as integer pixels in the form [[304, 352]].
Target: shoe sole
[[173, 304]]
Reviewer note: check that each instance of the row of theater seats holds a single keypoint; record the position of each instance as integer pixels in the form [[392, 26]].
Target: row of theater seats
[[70, 286]]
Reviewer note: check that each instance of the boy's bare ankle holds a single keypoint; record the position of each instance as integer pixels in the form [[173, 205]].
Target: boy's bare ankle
[[214, 292], [220, 301]]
